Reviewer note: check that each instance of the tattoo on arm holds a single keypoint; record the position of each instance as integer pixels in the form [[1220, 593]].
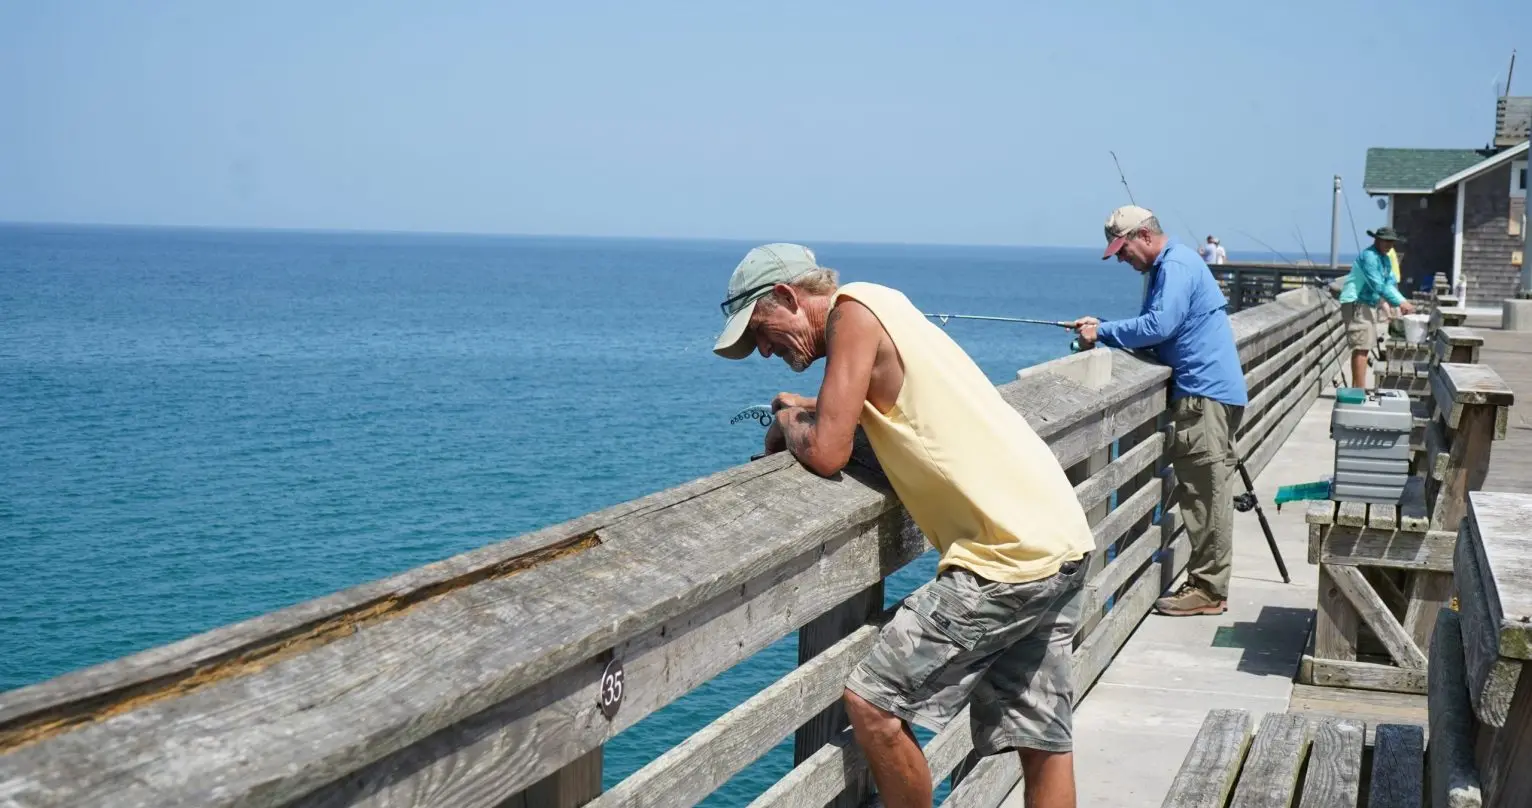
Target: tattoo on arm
[[799, 431]]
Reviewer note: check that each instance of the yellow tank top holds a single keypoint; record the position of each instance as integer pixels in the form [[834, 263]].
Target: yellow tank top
[[983, 487]]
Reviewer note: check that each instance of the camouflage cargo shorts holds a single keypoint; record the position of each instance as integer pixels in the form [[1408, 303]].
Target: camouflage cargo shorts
[[1003, 649]]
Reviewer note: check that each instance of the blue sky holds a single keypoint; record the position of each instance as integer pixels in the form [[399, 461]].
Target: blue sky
[[851, 121]]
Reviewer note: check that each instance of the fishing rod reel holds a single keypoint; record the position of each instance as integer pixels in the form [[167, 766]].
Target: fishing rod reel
[[756, 412]]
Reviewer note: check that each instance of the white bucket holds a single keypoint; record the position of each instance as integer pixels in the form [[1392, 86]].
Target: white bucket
[[1415, 327]]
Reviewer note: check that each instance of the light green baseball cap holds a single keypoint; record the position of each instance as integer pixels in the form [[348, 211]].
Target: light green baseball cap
[[762, 268]]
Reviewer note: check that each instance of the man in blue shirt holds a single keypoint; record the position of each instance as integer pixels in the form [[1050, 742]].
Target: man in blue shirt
[[1371, 281], [1185, 324]]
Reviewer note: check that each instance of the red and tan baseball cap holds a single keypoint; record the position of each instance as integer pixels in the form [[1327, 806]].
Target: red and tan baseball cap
[[1121, 224]]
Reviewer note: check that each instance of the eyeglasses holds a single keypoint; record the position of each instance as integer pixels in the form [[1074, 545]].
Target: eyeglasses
[[742, 298]]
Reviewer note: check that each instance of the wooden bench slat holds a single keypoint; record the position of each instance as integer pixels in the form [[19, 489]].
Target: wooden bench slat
[[1454, 774], [1270, 776], [1320, 512], [1212, 765], [1382, 517], [1413, 515], [1334, 777], [1398, 767], [1352, 514]]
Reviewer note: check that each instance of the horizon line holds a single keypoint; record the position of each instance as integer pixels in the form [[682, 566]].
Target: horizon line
[[515, 235]]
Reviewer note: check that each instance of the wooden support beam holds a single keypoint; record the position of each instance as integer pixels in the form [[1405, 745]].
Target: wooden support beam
[[1336, 621], [1350, 582], [821, 634], [1360, 675]]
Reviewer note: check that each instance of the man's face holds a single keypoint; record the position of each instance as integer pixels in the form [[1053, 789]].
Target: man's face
[[1382, 245], [1137, 252], [780, 326]]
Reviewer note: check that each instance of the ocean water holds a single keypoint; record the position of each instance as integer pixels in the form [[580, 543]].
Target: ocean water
[[200, 426]]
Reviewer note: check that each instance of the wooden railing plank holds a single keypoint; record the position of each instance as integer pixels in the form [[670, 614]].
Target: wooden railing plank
[[1091, 658], [692, 770], [989, 783]]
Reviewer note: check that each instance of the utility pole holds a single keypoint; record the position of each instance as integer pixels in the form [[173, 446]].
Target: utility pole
[[1335, 226]]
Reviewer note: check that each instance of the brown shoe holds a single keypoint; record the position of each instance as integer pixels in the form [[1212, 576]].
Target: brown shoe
[[1189, 600]]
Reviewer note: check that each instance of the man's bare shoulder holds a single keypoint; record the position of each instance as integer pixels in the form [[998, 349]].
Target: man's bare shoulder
[[851, 316]]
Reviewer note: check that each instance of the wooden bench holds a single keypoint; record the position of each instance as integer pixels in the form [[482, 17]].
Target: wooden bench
[[1407, 365], [1269, 768], [1480, 702], [1385, 570]]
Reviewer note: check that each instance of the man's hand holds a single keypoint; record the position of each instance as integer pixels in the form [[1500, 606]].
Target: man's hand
[[1086, 328], [786, 400], [1407, 307], [776, 439], [1386, 310]]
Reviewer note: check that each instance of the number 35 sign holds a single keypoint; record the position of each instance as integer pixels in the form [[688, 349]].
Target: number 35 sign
[[611, 688]]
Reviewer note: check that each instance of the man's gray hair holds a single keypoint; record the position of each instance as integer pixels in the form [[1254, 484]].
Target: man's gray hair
[[1151, 226], [821, 281], [818, 282]]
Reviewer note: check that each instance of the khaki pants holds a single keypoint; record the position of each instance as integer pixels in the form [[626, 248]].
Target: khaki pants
[[1202, 453]]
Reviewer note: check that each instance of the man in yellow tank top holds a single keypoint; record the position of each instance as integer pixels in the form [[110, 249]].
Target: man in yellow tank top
[[994, 630]]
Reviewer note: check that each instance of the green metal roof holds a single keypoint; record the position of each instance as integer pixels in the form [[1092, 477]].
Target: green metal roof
[[1416, 170]]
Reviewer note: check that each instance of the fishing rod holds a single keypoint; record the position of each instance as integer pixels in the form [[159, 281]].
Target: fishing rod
[[1122, 176], [943, 318]]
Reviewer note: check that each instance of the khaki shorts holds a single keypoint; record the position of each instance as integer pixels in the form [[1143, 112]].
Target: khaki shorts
[[1361, 326], [1003, 649]]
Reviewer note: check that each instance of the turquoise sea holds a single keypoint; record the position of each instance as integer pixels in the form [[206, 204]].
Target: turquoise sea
[[199, 426]]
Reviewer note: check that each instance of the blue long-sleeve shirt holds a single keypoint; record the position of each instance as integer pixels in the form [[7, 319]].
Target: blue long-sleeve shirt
[[1371, 278], [1185, 322]]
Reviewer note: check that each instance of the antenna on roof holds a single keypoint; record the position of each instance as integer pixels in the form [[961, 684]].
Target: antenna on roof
[[1511, 72]]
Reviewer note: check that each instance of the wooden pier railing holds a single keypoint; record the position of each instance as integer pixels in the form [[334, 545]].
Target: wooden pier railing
[[494, 678], [1248, 285]]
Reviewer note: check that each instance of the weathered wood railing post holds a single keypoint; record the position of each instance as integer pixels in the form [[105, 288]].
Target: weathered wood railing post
[[1480, 695], [818, 636]]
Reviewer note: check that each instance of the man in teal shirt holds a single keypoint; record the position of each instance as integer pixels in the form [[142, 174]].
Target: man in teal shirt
[[1371, 280]]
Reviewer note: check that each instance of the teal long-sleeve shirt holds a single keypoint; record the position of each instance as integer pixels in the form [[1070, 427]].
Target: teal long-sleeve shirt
[[1371, 278]]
